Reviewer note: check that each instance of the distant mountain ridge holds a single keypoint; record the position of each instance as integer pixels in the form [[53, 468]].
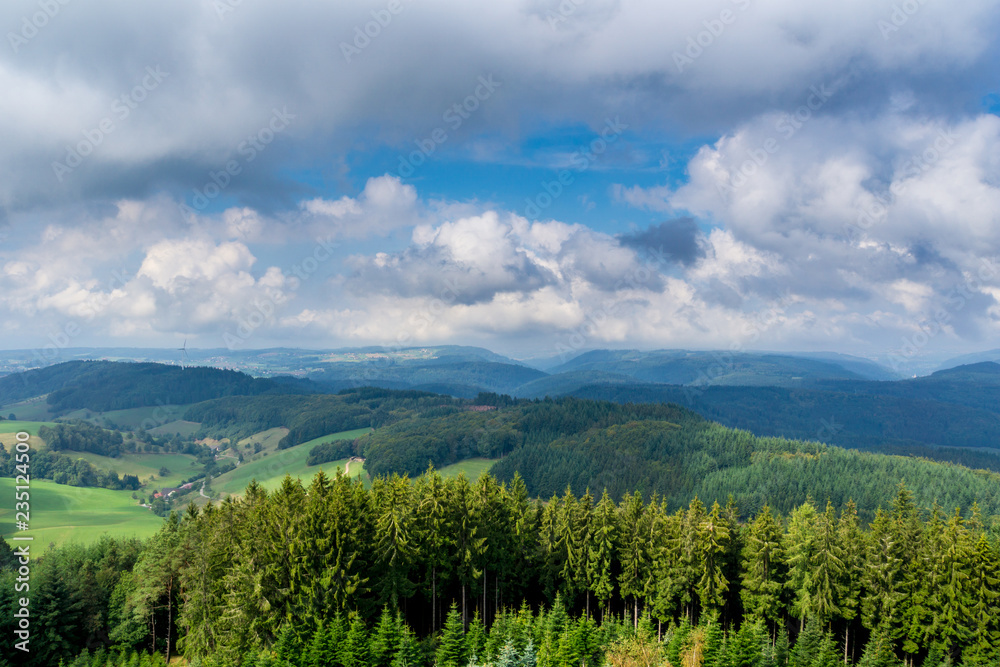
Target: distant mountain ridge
[[114, 385]]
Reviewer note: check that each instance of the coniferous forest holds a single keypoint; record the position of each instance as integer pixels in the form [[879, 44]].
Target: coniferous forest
[[452, 572]]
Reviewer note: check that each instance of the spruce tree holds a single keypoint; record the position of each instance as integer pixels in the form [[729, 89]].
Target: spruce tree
[[678, 641], [764, 567], [508, 656], [475, 640], [713, 652], [879, 652], [452, 649], [984, 644], [604, 532], [354, 651], [800, 546], [322, 650], [744, 648], [807, 644], [407, 652], [385, 639], [714, 541], [828, 574], [782, 650], [396, 547], [289, 648], [632, 551]]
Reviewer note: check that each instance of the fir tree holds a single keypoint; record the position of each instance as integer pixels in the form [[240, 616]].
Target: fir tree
[[289, 648], [782, 650], [713, 652], [764, 567], [807, 644], [744, 649], [408, 651], [354, 651], [385, 639], [714, 541], [878, 652], [602, 546], [322, 649], [800, 547], [452, 649], [475, 639]]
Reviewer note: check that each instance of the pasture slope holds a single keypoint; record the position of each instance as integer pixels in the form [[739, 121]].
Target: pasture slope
[[62, 514], [271, 469]]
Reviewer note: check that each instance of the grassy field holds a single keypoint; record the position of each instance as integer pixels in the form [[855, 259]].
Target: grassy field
[[10, 429], [180, 427], [148, 417], [268, 439], [61, 514], [144, 465], [473, 468], [34, 409], [30, 427], [271, 469]]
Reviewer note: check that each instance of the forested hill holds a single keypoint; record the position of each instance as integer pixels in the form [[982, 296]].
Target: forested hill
[[622, 447], [661, 449], [109, 385]]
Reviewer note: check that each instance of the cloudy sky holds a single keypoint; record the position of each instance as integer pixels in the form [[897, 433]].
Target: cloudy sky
[[530, 175]]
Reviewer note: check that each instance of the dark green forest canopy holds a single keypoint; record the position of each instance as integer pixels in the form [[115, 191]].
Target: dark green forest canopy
[[276, 577], [667, 450], [647, 447]]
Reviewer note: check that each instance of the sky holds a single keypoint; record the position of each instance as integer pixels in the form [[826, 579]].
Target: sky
[[535, 176]]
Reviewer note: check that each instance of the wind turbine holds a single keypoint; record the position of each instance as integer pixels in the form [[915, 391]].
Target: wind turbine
[[184, 350]]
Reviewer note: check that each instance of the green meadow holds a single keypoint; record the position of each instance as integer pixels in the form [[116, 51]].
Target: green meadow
[[61, 514], [19, 425], [181, 466], [10, 429], [269, 470], [473, 468], [33, 409]]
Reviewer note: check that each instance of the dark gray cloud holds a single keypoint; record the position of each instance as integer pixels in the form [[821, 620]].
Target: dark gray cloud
[[680, 240], [433, 272]]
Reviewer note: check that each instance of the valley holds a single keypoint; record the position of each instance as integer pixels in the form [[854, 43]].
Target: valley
[[577, 503]]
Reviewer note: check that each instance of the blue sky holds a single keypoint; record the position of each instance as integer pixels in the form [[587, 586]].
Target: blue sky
[[740, 174]]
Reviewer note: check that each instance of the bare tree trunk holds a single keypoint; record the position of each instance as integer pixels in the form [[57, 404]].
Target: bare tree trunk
[[434, 597], [847, 637], [170, 615]]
